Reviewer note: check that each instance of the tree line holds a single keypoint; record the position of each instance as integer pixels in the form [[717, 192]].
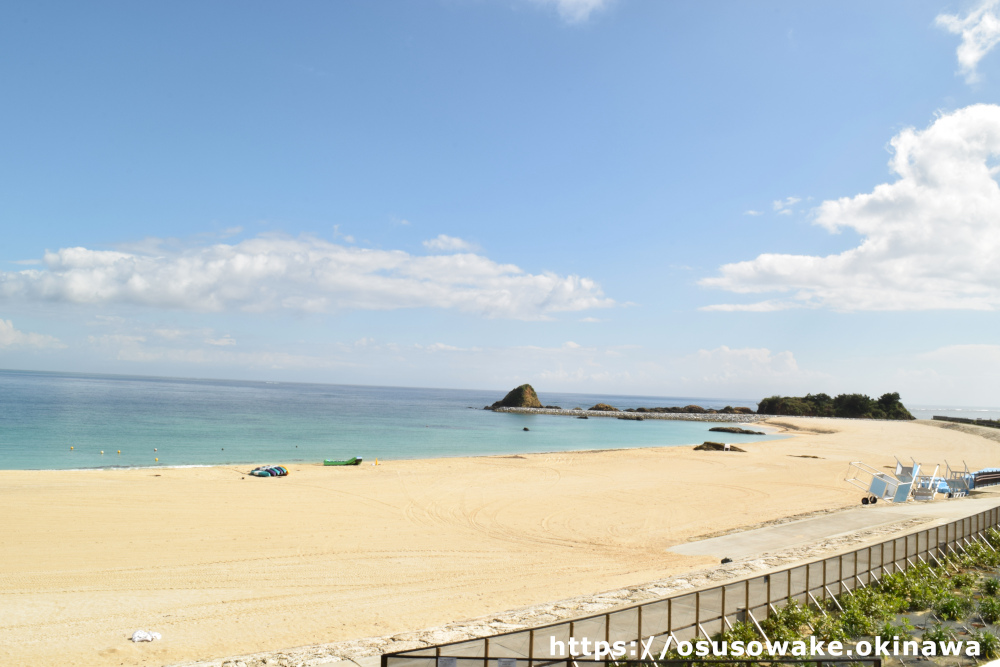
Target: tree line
[[852, 406]]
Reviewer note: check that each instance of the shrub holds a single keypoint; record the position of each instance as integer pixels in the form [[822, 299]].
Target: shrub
[[939, 634], [793, 616], [953, 607], [830, 629], [989, 644], [991, 586], [989, 609], [742, 631], [964, 580], [903, 630]]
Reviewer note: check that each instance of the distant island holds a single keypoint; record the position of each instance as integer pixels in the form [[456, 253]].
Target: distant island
[[850, 406]]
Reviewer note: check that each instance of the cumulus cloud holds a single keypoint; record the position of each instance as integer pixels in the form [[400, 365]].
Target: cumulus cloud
[[576, 11], [446, 243], [12, 338], [980, 32], [931, 239], [304, 274]]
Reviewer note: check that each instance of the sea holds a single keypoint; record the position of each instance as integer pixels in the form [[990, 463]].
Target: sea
[[75, 421], [59, 421]]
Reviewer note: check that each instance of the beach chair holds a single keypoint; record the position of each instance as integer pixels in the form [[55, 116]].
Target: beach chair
[[958, 480], [881, 485]]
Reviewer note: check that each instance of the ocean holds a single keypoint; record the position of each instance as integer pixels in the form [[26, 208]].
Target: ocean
[[212, 422], [65, 420]]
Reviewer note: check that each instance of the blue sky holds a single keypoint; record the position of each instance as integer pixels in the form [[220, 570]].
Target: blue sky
[[673, 198]]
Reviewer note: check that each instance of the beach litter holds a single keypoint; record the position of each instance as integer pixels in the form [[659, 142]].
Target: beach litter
[[143, 636]]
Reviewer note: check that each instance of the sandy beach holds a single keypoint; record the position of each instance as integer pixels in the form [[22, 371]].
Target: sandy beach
[[224, 564]]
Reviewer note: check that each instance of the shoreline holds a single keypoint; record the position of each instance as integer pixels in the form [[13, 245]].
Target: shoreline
[[225, 566], [312, 462], [625, 415]]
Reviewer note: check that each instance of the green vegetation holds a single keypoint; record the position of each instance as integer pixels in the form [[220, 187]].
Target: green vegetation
[[958, 590], [854, 406], [989, 644]]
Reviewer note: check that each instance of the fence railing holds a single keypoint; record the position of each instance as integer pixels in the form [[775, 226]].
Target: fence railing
[[707, 611], [691, 662]]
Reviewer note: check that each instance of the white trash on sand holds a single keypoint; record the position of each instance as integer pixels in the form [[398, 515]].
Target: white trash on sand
[[143, 636]]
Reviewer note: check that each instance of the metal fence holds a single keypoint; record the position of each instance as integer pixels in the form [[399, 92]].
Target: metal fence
[[705, 612], [714, 662]]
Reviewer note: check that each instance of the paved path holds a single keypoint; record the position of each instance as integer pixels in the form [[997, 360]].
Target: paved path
[[797, 533]]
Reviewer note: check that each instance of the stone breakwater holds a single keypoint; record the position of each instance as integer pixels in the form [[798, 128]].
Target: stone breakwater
[[637, 416], [364, 652]]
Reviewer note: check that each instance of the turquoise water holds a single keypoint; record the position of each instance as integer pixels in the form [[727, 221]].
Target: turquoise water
[[210, 422]]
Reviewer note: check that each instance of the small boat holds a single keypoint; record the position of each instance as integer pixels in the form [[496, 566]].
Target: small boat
[[270, 471], [354, 461]]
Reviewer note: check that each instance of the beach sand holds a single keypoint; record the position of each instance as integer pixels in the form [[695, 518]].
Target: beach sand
[[224, 564]]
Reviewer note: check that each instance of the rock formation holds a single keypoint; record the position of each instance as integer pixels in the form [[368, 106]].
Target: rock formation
[[717, 447], [736, 429], [604, 407], [521, 397]]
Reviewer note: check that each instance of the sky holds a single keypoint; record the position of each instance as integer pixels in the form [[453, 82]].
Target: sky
[[718, 199]]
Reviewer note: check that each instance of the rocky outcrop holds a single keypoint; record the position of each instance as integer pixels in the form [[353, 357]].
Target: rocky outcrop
[[604, 407], [717, 447], [736, 429], [697, 410], [520, 397]]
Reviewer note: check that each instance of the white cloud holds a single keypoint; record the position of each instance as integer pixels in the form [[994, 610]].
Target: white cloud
[[13, 338], [752, 212], [931, 238], [576, 11], [225, 341], [446, 243], [980, 31], [304, 274], [784, 206]]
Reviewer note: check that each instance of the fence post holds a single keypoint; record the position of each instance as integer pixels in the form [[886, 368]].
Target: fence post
[[670, 617], [824, 579], [722, 621]]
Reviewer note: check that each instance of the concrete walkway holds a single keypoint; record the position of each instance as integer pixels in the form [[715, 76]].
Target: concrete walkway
[[798, 533]]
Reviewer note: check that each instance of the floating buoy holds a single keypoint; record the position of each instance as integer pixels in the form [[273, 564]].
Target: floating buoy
[[154, 449], [119, 451], [71, 448], [102, 451], [157, 459]]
